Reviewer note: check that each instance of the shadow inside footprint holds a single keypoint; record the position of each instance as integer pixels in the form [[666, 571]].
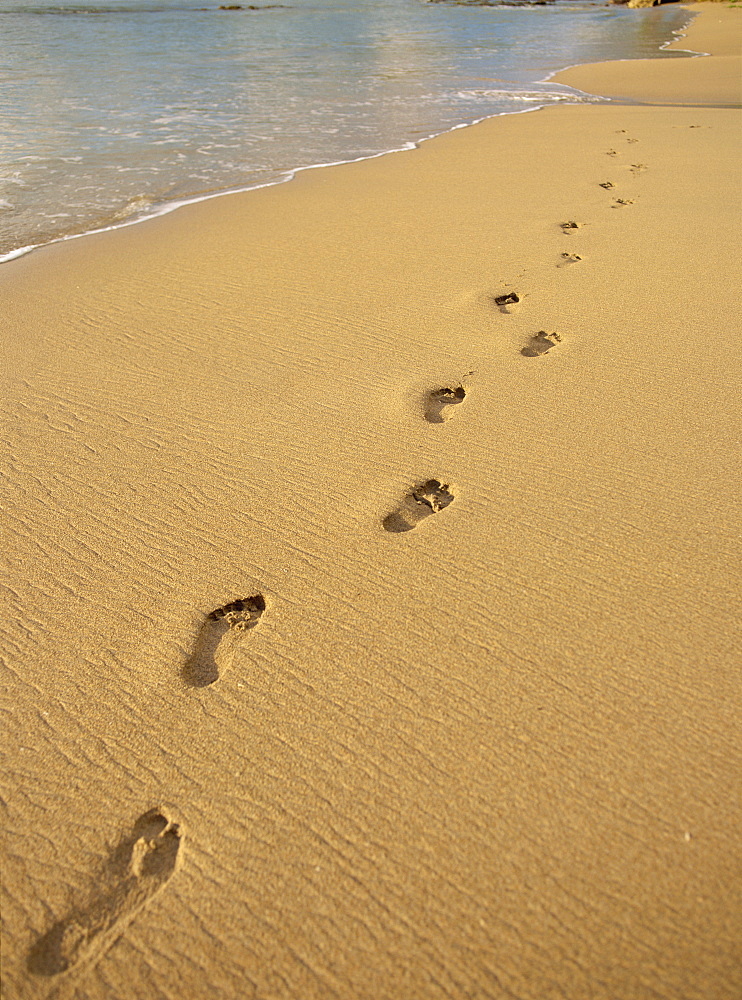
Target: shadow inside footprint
[[439, 403], [137, 870], [426, 499], [503, 301], [540, 343], [569, 258], [218, 639]]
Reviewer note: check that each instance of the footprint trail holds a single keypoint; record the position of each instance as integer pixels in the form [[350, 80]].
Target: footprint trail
[[137, 871], [428, 498], [505, 300], [219, 639], [440, 403], [569, 258], [540, 343]]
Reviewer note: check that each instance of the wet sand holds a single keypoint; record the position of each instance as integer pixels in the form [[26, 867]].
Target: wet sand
[[369, 637]]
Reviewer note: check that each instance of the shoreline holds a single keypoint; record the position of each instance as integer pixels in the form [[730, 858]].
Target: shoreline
[[716, 83], [167, 207], [373, 595]]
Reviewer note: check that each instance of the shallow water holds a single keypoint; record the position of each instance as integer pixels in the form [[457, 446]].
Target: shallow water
[[117, 109]]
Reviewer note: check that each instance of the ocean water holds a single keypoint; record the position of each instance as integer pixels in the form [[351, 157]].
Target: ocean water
[[113, 112]]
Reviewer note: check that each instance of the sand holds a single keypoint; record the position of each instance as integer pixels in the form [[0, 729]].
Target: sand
[[321, 684]]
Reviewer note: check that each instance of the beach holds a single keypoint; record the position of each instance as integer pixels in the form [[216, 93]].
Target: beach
[[368, 637]]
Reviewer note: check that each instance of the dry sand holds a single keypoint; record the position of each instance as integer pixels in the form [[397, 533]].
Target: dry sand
[[259, 746]]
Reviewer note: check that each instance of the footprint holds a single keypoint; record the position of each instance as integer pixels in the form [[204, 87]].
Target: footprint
[[638, 168], [611, 152], [632, 140], [569, 258], [219, 639], [440, 402], [540, 343], [137, 870], [607, 185], [424, 500], [505, 300], [568, 227], [620, 202]]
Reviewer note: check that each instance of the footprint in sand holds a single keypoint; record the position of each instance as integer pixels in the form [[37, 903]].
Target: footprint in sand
[[540, 343], [219, 639], [569, 258], [606, 184], [426, 499], [440, 403], [569, 227], [611, 152], [138, 869], [621, 202], [638, 168], [506, 299], [632, 140]]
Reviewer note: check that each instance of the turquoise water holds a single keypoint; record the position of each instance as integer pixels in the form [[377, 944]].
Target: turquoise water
[[115, 110]]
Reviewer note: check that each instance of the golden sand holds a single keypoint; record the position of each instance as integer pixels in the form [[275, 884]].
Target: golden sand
[[324, 683]]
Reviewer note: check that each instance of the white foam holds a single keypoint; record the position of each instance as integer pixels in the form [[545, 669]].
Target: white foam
[[573, 96], [681, 33]]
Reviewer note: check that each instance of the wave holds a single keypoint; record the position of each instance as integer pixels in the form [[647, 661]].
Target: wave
[[529, 96]]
